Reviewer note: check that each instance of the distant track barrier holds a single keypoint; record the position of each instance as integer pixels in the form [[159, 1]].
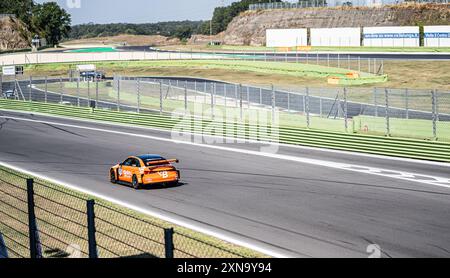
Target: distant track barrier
[[408, 148]]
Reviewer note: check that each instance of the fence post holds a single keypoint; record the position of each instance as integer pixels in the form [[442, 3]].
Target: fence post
[[96, 92], [160, 97], [91, 229], [89, 90], [273, 104], [185, 97], [345, 110], [388, 126], [3, 249], [138, 91], [118, 93], [46, 90], [61, 90], [375, 101], [308, 122], [213, 89], [241, 112], [35, 247], [30, 89], [168, 243], [434, 113]]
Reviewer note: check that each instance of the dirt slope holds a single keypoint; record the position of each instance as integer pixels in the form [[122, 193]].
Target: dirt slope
[[13, 34], [249, 27]]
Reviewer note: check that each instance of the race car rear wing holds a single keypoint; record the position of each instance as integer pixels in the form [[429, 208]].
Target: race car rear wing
[[167, 161]]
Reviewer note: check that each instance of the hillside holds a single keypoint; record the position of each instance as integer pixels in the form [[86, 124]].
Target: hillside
[[249, 27], [13, 34]]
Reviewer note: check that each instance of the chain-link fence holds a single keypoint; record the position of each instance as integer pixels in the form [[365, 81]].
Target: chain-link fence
[[412, 113], [43, 220]]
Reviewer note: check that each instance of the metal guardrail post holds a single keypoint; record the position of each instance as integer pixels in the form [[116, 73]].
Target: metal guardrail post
[[345, 110], [240, 102], [30, 88], [89, 90], [35, 248], [96, 92], [388, 124], [308, 122], [273, 103], [168, 243], [160, 97], [46, 90], [92, 242], [118, 93], [375, 101], [213, 89], [138, 92], [185, 97], [60, 90], [3, 248], [434, 113], [407, 103], [78, 91]]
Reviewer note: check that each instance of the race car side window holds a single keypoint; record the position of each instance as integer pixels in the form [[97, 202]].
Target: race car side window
[[135, 163], [128, 162]]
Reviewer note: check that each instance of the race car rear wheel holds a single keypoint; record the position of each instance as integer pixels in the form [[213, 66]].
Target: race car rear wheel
[[113, 177], [135, 182]]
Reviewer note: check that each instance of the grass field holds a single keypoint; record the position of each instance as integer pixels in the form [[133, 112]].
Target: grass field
[[401, 74]]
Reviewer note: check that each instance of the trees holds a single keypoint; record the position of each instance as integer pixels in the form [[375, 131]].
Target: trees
[[51, 22], [47, 20], [183, 29], [21, 8], [224, 15]]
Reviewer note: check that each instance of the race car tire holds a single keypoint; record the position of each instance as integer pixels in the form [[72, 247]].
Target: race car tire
[[112, 176], [135, 182]]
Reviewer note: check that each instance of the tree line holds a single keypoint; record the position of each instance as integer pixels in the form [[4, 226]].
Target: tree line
[[48, 20], [222, 16]]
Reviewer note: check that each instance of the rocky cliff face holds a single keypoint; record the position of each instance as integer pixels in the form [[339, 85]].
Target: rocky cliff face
[[249, 28], [13, 34]]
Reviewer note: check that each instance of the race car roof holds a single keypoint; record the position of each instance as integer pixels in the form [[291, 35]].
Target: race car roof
[[150, 157]]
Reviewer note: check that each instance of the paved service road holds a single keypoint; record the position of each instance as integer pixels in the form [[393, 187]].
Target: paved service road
[[294, 208]]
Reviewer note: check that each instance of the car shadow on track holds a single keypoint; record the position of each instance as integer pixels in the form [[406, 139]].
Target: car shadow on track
[[153, 187], [161, 186]]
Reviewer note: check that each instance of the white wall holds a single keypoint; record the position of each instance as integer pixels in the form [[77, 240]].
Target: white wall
[[335, 37], [407, 36], [437, 36], [286, 37]]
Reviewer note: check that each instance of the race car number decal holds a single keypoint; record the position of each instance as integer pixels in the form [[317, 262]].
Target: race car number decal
[[164, 174]]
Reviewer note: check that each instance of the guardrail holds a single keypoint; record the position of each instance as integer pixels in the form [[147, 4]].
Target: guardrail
[[39, 219], [381, 145]]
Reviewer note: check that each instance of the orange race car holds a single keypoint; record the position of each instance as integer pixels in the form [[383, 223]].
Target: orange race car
[[145, 170]]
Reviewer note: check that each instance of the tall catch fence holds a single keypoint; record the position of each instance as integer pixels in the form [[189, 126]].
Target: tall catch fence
[[421, 114]]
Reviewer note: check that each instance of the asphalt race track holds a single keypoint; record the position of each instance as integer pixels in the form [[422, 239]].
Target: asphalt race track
[[294, 208]]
